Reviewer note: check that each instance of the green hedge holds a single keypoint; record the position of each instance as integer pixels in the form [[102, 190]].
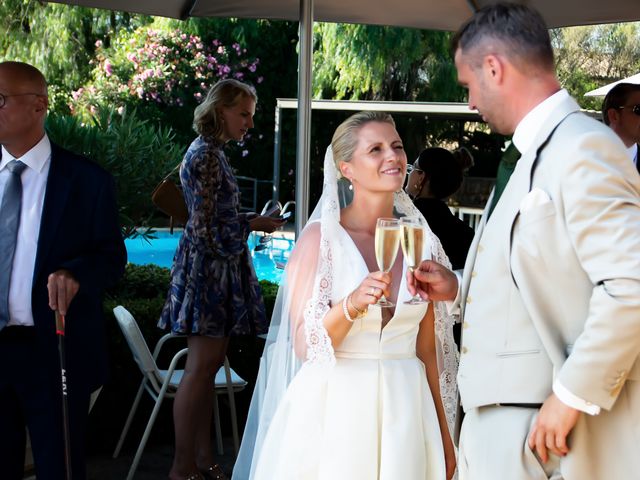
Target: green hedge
[[142, 291]]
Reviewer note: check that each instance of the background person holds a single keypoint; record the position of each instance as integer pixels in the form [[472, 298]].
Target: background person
[[65, 249], [214, 292], [621, 111], [434, 177]]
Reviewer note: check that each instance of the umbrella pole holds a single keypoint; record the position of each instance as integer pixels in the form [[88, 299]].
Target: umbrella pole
[[65, 402]]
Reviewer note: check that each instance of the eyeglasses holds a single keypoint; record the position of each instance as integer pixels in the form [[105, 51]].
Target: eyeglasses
[[635, 109], [3, 97], [413, 168]]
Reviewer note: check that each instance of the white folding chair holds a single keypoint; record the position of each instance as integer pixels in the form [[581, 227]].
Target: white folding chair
[[164, 383]]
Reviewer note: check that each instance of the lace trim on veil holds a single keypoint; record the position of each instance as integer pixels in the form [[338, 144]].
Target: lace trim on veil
[[447, 353], [319, 348]]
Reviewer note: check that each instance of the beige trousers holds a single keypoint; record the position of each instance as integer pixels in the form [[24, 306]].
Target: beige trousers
[[493, 446]]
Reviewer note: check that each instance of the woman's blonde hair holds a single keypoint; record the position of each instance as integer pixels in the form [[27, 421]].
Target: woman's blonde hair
[[225, 93], [345, 138]]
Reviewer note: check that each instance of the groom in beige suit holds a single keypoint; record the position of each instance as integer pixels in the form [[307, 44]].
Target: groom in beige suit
[[550, 295]]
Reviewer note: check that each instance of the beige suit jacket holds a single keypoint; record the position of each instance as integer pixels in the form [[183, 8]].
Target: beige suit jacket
[[570, 291]]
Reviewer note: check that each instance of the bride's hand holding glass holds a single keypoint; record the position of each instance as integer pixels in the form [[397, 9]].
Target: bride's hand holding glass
[[370, 290]]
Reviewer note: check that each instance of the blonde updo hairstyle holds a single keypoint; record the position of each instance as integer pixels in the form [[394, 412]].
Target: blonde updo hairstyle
[[345, 138], [207, 120]]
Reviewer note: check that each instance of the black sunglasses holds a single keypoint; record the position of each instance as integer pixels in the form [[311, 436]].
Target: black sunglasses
[[635, 109]]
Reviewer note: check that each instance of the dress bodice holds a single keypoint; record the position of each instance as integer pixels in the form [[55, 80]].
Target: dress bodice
[[367, 338]]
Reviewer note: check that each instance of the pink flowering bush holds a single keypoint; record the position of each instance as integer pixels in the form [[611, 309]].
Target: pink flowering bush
[[162, 74]]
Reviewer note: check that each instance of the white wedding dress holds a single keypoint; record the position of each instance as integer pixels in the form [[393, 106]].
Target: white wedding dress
[[361, 411], [368, 416]]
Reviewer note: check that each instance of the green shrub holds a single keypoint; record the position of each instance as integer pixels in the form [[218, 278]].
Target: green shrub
[[137, 153], [269, 292], [142, 282]]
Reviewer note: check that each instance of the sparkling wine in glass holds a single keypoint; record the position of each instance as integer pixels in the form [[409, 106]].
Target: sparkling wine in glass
[[387, 241], [412, 241]]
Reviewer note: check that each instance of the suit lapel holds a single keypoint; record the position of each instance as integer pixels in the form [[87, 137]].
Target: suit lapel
[[521, 181], [519, 184], [55, 200]]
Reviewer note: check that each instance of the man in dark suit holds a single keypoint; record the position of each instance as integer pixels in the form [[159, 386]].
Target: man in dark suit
[[60, 247], [621, 111]]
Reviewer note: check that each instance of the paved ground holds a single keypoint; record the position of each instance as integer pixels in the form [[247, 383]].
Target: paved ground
[[155, 463]]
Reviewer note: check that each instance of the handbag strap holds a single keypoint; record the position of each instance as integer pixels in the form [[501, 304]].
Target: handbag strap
[[177, 167]]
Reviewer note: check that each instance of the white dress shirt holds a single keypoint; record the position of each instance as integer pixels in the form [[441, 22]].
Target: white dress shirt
[[632, 151], [523, 138], [34, 183]]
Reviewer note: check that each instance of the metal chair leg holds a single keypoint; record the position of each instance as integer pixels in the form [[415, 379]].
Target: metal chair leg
[[147, 430], [216, 421], [232, 406], [132, 413]]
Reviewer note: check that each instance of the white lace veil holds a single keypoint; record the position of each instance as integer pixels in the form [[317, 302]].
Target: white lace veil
[[297, 330]]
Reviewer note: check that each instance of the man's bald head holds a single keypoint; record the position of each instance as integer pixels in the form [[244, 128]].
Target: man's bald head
[[24, 77], [24, 109]]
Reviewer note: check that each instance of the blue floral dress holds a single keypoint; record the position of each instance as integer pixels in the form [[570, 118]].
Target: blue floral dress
[[214, 290]]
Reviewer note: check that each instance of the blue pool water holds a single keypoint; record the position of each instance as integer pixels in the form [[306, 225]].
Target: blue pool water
[[160, 251]]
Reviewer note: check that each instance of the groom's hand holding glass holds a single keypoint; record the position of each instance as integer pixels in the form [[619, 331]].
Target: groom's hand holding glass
[[433, 281]]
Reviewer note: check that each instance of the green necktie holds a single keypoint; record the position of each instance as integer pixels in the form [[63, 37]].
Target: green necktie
[[506, 167]]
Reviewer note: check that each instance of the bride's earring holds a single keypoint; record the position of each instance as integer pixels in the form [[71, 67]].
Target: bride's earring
[[350, 184]]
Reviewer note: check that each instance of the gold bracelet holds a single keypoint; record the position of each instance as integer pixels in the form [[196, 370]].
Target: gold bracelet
[[345, 310], [360, 313]]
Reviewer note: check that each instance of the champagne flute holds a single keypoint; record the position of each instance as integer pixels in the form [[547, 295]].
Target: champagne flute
[[387, 241], [412, 241]]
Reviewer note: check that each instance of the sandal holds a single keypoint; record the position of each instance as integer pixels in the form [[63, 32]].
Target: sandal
[[214, 472]]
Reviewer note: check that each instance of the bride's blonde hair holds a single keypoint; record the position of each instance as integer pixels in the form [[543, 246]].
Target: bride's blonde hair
[[345, 138]]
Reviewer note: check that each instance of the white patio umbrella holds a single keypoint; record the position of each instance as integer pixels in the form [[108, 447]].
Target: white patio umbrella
[[602, 91], [425, 14]]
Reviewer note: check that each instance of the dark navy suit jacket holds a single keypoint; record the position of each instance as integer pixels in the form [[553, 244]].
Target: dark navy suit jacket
[[79, 231]]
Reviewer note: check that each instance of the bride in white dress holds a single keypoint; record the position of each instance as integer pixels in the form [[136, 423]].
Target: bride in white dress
[[348, 390]]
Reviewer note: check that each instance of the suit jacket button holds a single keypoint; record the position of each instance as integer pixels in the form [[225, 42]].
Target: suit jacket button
[[480, 248], [473, 274], [464, 350], [468, 299]]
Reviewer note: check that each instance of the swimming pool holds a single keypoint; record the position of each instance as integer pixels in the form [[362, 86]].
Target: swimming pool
[[160, 251]]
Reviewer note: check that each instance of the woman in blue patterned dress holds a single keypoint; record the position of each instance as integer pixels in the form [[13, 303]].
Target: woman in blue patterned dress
[[214, 292]]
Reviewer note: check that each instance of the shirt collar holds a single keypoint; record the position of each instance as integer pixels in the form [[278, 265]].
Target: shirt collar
[[36, 158], [632, 151], [530, 125]]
